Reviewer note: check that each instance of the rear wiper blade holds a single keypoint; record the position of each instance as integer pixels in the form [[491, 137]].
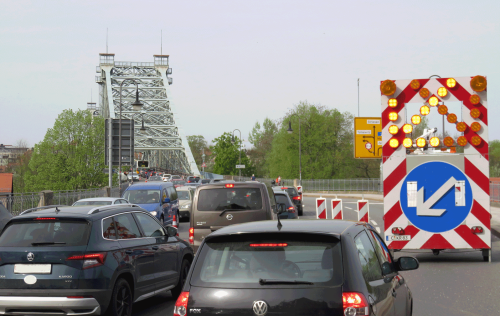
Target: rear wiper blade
[[231, 209], [48, 243], [276, 281]]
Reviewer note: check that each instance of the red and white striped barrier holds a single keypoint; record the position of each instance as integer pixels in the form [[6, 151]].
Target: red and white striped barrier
[[363, 210], [299, 189], [337, 209], [321, 208]]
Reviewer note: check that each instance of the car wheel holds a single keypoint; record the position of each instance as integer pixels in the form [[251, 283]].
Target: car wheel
[[121, 299], [301, 211], [183, 273]]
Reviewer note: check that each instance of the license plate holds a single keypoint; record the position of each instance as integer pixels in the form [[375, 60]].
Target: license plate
[[399, 238], [33, 268]]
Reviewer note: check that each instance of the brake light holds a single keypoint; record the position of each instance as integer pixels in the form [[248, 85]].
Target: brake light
[[229, 185], [269, 245], [296, 198], [191, 235], [284, 188], [180, 308], [90, 260], [291, 209], [354, 304], [45, 219], [477, 230]]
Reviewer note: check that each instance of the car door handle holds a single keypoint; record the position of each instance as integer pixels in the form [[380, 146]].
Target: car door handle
[[156, 247], [394, 293], [129, 252]]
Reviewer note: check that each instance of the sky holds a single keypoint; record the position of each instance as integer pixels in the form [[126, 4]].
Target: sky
[[237, 62]]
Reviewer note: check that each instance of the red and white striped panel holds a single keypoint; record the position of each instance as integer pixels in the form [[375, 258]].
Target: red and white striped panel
[[321, 208], [299, 189], [476, 167], [363, 210], [337, 209]]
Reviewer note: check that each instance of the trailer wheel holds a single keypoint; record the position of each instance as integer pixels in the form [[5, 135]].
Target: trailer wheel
[[486, 255]]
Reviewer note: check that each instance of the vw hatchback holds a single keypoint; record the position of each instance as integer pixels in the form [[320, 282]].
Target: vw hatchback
[[301, 267]]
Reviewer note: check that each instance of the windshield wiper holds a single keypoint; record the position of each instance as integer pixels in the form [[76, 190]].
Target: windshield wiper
[[231, 209], [276, 281], [48, 243]]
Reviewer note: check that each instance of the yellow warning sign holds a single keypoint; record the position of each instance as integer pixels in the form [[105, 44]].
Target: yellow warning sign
[[367, 137]]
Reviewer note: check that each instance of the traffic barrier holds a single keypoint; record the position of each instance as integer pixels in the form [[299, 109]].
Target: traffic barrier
[[337, 209], [363, 211], [299, 189], [174, 222], [320, 208]]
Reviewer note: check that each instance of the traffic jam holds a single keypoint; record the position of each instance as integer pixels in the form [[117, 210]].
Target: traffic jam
[[251, 249]]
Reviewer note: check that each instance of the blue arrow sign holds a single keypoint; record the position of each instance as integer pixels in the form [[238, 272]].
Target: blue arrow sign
[[437, 205]]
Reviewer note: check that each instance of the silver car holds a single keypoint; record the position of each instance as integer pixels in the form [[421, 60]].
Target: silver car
[[185, 194], [101, 201]]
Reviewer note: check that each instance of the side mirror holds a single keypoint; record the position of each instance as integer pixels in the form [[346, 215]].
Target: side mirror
[[407, 263], [281, 208], [171, 231], [167, 200]]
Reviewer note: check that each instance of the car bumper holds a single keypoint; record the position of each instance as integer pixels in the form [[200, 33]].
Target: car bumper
[[43, 305]]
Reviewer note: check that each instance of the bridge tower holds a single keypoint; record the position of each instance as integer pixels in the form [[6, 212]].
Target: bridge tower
[[163, 144]]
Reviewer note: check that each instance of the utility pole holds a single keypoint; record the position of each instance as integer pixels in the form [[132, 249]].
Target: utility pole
[[358, 97]]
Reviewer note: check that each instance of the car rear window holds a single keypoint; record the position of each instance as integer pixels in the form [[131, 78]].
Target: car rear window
[[281, 198], [45, 232], [229, 198], [292, 191], [241, 263]]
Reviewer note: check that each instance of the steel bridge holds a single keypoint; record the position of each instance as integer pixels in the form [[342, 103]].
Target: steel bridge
[[163, 144]]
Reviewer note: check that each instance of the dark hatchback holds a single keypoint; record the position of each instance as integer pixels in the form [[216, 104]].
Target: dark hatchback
[[86, 260], [303, 267], [295, 196]]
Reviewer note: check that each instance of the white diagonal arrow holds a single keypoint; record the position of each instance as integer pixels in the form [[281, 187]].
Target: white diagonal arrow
[[424, 208]]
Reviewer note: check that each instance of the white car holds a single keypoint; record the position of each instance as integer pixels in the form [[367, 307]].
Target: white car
[[101, 201], [133, 177], [166, 177]]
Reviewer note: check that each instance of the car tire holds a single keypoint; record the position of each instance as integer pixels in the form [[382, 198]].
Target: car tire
[[121, 299], [301, 211], [176, 291]]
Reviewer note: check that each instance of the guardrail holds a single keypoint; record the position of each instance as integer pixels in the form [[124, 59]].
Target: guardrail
[[338, 185]]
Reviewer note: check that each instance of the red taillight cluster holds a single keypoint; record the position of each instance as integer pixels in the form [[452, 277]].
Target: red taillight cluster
[[90, 260], [291, 209], [398, 231], [477, 230], [191, 235], [229, 185], [269, 245], [354, 304], [180, 308], [296, 198]]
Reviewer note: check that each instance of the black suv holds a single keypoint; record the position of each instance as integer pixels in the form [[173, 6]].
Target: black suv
[[86, 260], [300, 267]]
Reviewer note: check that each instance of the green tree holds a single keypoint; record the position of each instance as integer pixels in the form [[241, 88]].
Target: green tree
[[494, 152], [71, 155], [261, 137], [418, 130], [227, 156], [198, 146]]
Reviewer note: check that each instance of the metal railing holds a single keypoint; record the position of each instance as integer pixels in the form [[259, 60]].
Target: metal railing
[[343, 185], [495, 192], [18, 202]]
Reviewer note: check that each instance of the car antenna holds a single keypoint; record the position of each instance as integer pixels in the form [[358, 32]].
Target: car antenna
[[279, 222]]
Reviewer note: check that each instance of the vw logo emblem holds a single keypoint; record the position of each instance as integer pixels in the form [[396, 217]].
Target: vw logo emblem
[[31, 256], [260, 308], [229, 217]]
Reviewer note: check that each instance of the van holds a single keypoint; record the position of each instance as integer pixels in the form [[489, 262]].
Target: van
[[158, 198], [217, 205]]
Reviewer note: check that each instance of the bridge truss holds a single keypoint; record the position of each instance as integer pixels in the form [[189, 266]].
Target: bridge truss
[[163, 144]]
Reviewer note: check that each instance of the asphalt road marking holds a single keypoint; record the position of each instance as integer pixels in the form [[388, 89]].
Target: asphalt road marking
[[348, 207], [374, 222]]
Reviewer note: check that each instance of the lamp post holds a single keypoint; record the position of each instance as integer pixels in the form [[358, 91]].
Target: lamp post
[[142, 131], [233, 141], [290, 130], [203, 164], [136, 106]]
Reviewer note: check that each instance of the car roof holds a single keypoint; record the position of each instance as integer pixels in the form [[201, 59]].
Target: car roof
[[335, 227], [82, 211], [184, 188], [149, 185], [101, 199]]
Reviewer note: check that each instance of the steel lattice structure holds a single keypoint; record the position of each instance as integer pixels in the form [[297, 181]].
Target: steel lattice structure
[[163, 144]]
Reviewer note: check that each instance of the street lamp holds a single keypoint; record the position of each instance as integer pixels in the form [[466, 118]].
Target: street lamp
[[142, 131], [290, 130], [233, 141], [136, 106]]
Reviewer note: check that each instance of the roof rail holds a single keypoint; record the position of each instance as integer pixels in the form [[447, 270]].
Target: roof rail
[[40, 208], [106, 207]]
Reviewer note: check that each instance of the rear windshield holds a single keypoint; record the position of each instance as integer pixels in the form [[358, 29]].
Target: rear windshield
[[281, 198], [45, 233], [92, 203], [230, 198], [242, 263], [292, 191]]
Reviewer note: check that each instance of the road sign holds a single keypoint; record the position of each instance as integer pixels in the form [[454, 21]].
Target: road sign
[[203, 165], [436, 197], [240, 166], [127, 144], [367, 137]]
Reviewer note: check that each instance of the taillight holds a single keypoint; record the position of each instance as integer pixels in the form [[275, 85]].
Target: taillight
[[230, 185], [354, 304], [269, 245], [90, 260], [291, 209], [191, 235], [180, 308], [45, 219], [398, 231], [296, 198], [477, 230]]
